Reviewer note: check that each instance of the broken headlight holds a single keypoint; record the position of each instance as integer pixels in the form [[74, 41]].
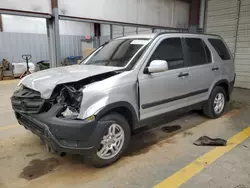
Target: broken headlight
[[70, 99], [19, 87], [70, 113]]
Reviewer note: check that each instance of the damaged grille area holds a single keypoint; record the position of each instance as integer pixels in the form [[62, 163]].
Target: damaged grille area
[[27, 100], [29, 124]]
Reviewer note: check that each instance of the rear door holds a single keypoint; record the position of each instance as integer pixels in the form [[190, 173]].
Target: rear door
[[225, 58], [203, 71]]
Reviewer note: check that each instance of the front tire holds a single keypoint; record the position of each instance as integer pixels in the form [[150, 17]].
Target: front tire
[[216, 103], [113, 142]]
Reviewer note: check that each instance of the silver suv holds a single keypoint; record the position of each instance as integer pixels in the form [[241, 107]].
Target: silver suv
[[91, 109]]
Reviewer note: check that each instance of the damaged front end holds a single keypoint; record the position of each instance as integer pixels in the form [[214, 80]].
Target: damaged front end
[[68, 96], [29, 101], [70, 99], [56, 120]]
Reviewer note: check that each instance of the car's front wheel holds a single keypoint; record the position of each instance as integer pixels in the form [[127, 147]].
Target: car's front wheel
[[216, 103], [113, 142]]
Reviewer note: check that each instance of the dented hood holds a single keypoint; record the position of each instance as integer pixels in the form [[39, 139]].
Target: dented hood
[[45, 81]]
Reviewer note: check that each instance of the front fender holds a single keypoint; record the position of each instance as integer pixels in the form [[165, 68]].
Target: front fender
[[94, 108], [123, 96], [102, 106]]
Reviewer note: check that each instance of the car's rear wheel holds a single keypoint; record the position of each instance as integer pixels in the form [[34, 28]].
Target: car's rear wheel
[[216, 103], [113, 142]]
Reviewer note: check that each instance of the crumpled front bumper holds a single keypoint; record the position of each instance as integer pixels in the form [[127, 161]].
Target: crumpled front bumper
[[64, 135]]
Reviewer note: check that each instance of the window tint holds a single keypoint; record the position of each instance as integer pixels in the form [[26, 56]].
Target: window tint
[[220, 48], [195, 52], [136, 58], [170, 50], [208, 53], [117, 52]]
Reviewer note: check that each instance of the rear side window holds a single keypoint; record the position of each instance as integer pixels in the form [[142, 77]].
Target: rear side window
[[220, 48], [195, 52], [170, 50]]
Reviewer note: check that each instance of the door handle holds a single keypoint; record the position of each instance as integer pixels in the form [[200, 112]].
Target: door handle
[[183, 74], [215, 68]]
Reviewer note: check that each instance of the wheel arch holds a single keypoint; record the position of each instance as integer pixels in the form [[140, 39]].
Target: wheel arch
[[124, 108], [225, 84]]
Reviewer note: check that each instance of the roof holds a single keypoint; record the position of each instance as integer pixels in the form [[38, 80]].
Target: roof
[[188, 33], [150, 36]]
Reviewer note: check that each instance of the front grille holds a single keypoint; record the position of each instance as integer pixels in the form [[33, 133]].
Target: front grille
[[27, 101], [30, 125]]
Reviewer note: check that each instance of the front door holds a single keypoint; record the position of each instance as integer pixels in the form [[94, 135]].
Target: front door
[[165, 91]]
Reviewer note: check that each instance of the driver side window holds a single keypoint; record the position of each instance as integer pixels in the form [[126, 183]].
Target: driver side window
[[170, 50]]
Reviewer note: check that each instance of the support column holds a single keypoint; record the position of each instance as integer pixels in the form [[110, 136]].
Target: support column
[[111, 31], [194, 15], [1, 23], [202, 14], [54, 35], [97, 35], [57, 36], [51, 42]]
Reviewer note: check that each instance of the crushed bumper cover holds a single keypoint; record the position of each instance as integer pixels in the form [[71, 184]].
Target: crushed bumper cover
[[63, 135]]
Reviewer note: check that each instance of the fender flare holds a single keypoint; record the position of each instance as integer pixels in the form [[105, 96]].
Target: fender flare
[[115, 105], [224, 81]]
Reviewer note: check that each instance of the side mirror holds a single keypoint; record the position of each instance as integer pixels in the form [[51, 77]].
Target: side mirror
[[157, 66]]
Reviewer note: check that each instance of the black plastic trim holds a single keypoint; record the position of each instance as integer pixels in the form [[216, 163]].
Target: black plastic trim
[[231, 84], [182, 74], [152, 104], [215, 68], [168, 116], [54, 129], [203, 34], [115, 105], [224, 81]]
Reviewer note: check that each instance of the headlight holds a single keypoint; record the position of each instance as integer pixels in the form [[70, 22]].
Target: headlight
[[20, 82], [19, 87]]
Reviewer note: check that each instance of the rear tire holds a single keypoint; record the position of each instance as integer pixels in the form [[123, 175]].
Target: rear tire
[[111, 140], [216, 103]]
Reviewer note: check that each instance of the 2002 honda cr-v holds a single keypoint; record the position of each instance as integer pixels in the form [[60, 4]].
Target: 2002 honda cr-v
[[91, 109]]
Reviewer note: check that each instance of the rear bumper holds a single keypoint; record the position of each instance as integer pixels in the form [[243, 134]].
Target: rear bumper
[[61, 135], [231, 84]]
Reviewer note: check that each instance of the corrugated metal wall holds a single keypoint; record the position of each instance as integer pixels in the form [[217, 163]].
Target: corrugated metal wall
[[13, 45], [144, 30], [221, 20], [231, 20], [242, 58], [129, 30], [71, 45], [119, 30]]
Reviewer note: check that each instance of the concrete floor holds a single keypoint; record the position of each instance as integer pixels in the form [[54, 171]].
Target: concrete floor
[[154, 154]]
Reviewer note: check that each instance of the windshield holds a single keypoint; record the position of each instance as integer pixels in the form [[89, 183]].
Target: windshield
[[116, 53]]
